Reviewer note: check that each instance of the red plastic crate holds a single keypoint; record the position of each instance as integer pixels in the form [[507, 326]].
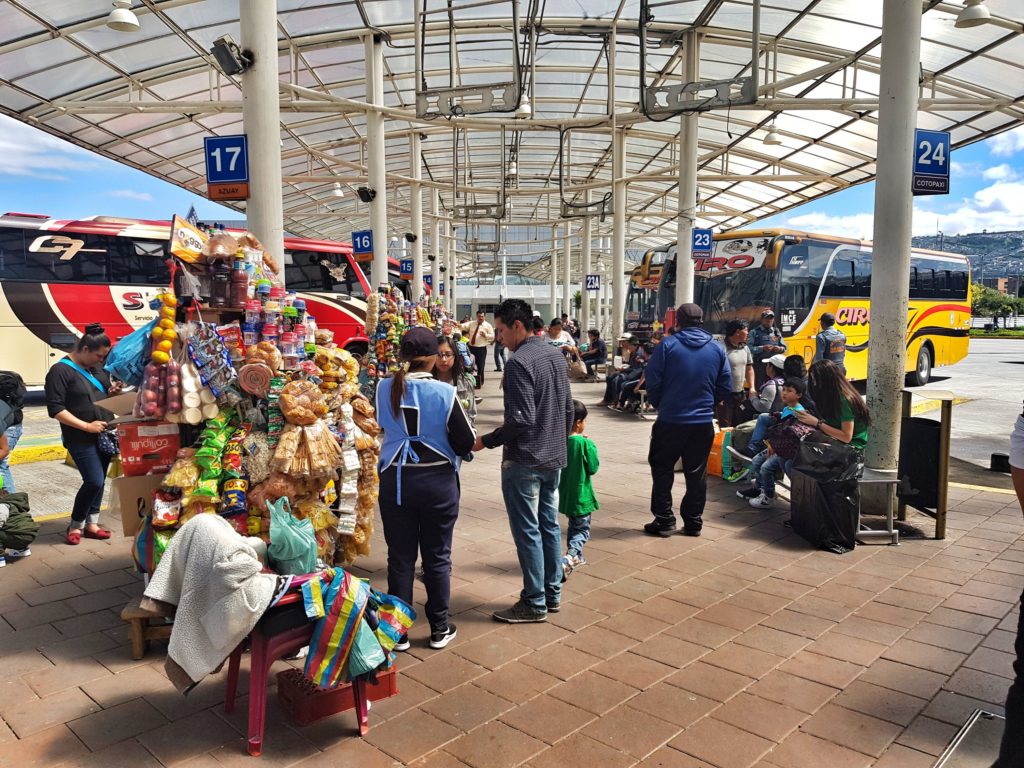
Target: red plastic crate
[[305, 703]]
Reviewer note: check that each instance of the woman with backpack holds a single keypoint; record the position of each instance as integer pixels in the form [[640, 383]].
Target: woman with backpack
[[73, 387], [12, 401]]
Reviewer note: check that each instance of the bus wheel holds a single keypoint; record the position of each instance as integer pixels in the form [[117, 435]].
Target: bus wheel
[[922, 372], [357, 349]]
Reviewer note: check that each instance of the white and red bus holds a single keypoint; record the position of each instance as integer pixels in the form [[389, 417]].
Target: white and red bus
[[57, 276]]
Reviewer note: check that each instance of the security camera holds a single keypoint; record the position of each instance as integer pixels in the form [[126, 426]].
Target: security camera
[[231, 59], [431, 257], [410, 237], [366, 194]]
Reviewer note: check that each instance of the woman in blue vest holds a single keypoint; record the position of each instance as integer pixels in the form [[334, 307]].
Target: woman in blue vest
[[73, 387], [425, 431]]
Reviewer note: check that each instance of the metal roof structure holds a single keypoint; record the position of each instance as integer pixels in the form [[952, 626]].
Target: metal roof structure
[[148, 98]]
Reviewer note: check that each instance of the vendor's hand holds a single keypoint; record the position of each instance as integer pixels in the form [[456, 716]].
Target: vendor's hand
[[116, 386], [805, 418], [95, 427], [478, 445], [771, 451]]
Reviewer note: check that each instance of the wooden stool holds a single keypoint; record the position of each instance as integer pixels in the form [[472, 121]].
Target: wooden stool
[[142, 630]]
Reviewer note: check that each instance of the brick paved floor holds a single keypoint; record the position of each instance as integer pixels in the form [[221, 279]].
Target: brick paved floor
[[744, 647]]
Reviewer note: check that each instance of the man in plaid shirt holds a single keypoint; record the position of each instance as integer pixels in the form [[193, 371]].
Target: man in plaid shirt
[[538, 419]]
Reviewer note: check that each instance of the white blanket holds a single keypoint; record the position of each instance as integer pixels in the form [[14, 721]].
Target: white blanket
[[212, 574]]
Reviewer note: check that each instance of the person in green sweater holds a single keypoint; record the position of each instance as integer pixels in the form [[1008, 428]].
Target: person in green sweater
[[576, 499]]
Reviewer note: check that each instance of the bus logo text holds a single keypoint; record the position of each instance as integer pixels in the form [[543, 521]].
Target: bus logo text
[[132, 301], [66, 246], [853, 316], [705, 263]]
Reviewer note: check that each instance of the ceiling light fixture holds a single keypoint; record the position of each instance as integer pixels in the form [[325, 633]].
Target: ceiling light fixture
[[122, 18], [772, 138], [524, 110], [974, 14], [513, 169], [336, 190], [231, 59]]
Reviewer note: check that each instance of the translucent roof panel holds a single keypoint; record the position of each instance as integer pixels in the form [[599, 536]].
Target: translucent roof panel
[[149, 98]]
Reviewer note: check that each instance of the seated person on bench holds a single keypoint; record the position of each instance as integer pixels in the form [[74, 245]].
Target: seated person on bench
[[597, 352], [783, 441], [792, 367]]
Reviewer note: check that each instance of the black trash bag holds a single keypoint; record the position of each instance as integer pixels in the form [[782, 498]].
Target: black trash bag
[[825, 497]]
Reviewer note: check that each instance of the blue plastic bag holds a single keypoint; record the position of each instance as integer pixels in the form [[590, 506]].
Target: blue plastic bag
[[129, 356]]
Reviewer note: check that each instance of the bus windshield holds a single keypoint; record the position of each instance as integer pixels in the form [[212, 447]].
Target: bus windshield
[[732, 294]]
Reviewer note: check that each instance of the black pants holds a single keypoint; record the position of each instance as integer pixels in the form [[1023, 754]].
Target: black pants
[[669, 443], [1011, 751], [480, 354], [424, 523]]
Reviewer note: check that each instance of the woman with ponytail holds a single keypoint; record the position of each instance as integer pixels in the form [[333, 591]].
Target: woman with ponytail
[[425, 431], [73, 387]]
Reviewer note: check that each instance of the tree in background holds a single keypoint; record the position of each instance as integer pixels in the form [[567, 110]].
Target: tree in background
[[988, 302]]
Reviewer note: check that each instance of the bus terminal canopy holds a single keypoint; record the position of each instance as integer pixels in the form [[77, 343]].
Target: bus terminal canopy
[[515, 104]]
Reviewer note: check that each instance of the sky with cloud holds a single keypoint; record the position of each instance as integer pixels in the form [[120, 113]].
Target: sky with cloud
[[40, 173]]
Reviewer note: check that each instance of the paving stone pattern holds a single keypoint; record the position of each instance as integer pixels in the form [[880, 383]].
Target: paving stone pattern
[[743, 647]]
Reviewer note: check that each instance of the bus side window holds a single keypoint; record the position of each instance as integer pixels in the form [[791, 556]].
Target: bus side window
[[841, 277], [138, 262], [862, 285], [13, 259]]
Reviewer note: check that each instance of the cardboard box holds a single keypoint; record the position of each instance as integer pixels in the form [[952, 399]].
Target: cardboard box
[[147, 447], [134, 497]]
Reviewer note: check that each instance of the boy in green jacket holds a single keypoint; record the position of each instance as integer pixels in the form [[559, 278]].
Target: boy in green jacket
[[576, 499]]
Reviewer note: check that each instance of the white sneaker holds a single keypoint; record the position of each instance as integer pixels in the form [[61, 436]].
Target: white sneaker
[[763, 502], [26, 552]]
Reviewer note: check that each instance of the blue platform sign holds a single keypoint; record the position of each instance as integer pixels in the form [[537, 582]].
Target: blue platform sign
[[428, 280], [440, 287], [227, 159], [405, 269], [593, 282], [931, 162], [362, 245], [702, 240]]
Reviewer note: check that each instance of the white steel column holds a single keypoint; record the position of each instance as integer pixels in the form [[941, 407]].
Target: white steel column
[[376, 161], [897, 116], [451, 284], [618, 232], [416, 212], [553, 277], [687, 179], [435, 242], [567, 271], [585, 237], [261, 116]]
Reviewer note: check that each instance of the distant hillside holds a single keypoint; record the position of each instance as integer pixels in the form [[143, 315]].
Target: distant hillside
[[1001, 254]]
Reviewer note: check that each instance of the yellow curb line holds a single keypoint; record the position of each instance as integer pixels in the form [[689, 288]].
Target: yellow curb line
[[60, 515], [987, 488], [34, 453], [924, 406], [57, 516]]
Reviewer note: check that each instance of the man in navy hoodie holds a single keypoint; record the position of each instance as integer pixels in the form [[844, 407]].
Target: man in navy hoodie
[[687, 374]]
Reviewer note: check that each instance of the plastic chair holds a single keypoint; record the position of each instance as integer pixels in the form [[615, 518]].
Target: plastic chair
[[282, 631]]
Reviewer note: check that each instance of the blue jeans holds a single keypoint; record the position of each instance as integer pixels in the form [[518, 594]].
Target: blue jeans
[[756, 444], [13, 435], [93, 469], [764, 467], [531, 501], [577, 534]]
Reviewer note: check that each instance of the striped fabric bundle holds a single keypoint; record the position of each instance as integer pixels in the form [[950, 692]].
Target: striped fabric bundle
[[394, 618], [334, 634]]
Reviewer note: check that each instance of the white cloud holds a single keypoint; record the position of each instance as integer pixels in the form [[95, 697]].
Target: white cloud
[[995, 208], [1001, 172], [27, 151], [131, 194], [854, 225], [1007, 143]]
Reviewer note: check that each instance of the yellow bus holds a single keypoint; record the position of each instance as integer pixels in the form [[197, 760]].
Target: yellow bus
[[801, 276], [642, 318]]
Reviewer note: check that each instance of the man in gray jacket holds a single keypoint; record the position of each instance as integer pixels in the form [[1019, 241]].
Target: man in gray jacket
[[539, 415]]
